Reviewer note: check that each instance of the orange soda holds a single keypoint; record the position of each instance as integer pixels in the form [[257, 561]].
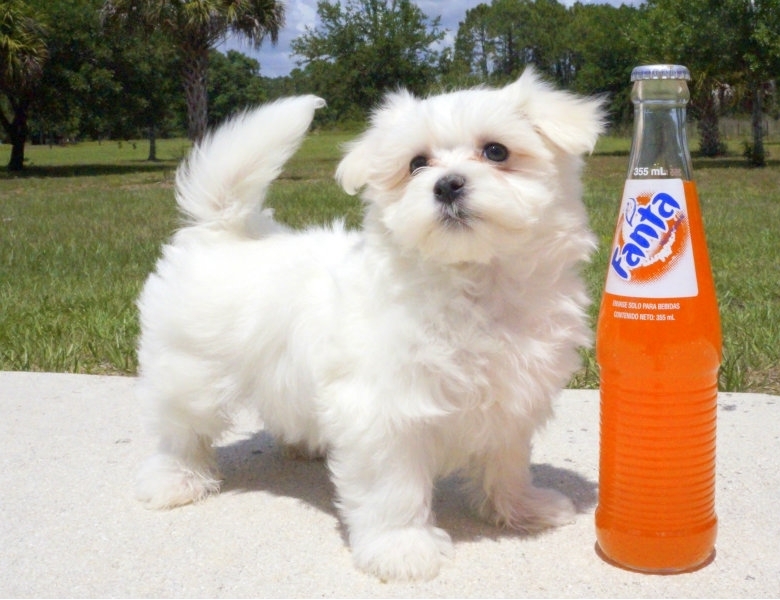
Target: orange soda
[[658, 346]]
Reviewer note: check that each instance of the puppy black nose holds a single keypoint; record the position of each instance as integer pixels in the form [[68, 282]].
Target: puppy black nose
[[449, 188]]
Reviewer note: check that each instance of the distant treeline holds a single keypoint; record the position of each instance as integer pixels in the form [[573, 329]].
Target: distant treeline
[[100, 77]]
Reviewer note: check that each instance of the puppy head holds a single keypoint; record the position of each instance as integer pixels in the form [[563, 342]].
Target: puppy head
[[471, 175]]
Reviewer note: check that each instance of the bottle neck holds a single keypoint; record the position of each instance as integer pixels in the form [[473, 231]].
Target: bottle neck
[[659, 149]]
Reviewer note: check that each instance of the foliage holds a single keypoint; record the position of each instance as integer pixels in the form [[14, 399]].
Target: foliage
[[530, 32], [145, 68], [233, 84], [586, 47], [471, 62], [754, 50], [101, 82], [22, 51], [363, 48], [78, 92], [604, 54], [690, 34]]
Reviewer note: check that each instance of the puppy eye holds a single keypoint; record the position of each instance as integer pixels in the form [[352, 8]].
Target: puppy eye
[[495, 152], [418, 162]]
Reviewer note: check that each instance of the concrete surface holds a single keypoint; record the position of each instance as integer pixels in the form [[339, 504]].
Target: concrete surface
[[69, 526]]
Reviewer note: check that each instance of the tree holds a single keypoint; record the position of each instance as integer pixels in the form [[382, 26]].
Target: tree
[[586, 46], [549, 23], [195, 27], [496, 42], [604, 52], [22, 56], [727, 44], [753, 48], [363, 48], [78, 94], [97, 85], [146, 68], [473, 48], [234, 84], [693, 34]]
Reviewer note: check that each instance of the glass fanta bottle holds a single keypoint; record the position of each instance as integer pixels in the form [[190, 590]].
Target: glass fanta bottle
[[658, 345]]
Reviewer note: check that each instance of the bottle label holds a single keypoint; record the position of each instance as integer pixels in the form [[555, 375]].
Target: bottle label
[[652, 254]]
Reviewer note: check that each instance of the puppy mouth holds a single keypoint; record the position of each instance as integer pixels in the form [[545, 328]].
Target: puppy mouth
[[456, 215]]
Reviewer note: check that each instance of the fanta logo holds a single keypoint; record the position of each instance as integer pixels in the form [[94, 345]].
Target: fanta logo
[[652, 234]]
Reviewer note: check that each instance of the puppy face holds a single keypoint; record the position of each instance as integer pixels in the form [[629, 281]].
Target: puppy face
[[471, 175]]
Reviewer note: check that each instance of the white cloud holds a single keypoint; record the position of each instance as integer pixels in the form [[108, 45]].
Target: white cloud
[[277, 61]]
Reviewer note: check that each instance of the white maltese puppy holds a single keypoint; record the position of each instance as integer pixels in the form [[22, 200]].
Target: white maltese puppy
[[432, 341]]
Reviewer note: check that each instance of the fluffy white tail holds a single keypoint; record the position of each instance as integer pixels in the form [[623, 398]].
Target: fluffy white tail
[[223, 181]]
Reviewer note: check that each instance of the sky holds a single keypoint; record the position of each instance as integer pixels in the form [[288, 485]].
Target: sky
[[276, 61]]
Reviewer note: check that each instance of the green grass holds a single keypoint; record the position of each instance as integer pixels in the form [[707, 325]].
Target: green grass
[[82, 227], [79, 231]]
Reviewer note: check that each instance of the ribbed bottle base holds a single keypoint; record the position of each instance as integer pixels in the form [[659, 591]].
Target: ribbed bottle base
[[661, 554], [656, 508]]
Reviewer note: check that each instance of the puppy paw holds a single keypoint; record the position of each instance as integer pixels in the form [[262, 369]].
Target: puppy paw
[[532, 510], [408, 554], [164, 482]]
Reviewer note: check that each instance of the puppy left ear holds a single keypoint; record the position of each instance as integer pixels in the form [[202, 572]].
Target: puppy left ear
[[352, 172], [573, 123], [355, 169]]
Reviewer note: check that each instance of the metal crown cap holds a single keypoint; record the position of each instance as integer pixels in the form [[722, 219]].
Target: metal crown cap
[[660, 72]]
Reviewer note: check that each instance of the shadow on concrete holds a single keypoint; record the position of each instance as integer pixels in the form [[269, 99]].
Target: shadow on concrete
[[258, 464]]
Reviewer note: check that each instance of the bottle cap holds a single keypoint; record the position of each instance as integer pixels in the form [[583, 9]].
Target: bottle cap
[[660, 72]]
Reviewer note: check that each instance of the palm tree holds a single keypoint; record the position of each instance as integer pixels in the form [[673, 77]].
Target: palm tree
[[195, 27], [22, 56]]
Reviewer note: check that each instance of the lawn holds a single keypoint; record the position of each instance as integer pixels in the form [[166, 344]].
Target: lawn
[[82, 227]]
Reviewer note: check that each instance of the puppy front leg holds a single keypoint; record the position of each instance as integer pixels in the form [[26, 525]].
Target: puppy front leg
[[385, 492], [506, 495]]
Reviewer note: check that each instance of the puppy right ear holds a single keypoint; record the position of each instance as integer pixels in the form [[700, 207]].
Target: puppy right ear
[[572, 123], [352, 172]]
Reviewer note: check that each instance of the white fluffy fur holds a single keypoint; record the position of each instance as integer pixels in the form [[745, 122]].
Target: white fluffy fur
[[411, 349]]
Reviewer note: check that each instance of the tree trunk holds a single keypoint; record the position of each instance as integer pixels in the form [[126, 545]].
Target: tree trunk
[[152, 144], [17, 133], [757, 156], [195, 61], [709, 133], [17, 155], [707, 106]]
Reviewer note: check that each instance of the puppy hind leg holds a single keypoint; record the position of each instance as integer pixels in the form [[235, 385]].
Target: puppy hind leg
[[168, 479], [184, 467]]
